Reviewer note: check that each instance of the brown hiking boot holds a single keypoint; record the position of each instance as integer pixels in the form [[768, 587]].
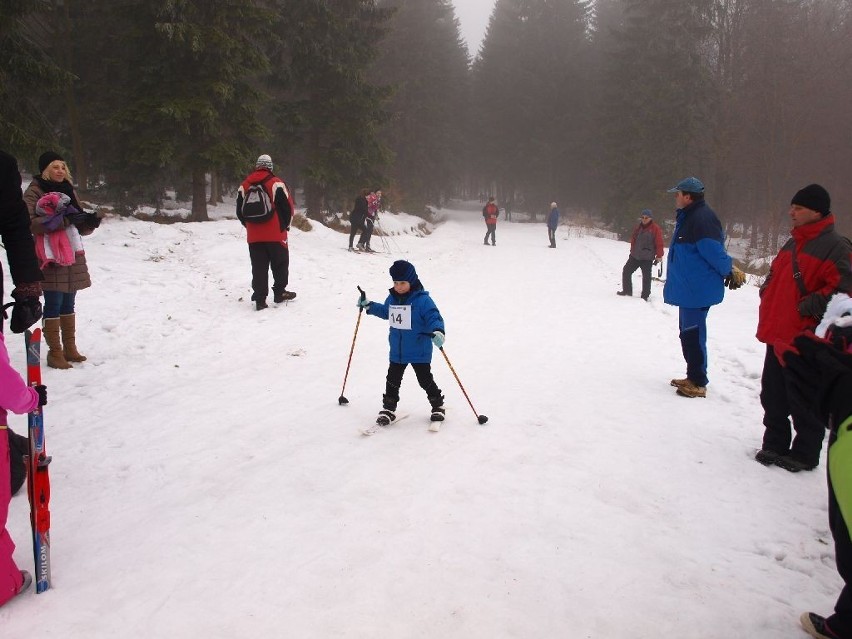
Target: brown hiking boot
[[691, 390], [680, 382]]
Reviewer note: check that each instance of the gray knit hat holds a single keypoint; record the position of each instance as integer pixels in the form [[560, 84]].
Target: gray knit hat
[[263, 162]]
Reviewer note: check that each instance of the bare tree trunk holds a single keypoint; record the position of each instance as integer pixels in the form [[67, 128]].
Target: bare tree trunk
[[199, 196]]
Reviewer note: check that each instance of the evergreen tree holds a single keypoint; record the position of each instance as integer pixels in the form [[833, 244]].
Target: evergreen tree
[[656, 104], [30, 80], [425, 60], [181, 95], [326, 113], [529, 100]]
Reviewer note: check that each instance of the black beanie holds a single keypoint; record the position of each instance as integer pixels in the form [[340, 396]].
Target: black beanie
[[813, 197], [402, 271], [46, 158]]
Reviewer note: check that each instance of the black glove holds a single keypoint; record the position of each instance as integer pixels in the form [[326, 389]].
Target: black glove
[[41, 389], [93, 220], [76, 217], [735, 279], [25, 312], [822, 376]]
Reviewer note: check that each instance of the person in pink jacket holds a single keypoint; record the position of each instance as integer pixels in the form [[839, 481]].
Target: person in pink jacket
[[19, 398]]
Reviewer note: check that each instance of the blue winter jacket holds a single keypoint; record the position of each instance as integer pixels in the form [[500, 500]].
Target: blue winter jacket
[[413, 318], [553, 219], [697, 261]]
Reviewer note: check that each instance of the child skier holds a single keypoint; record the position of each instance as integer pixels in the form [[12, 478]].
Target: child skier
[[16, 396], [415, 325]]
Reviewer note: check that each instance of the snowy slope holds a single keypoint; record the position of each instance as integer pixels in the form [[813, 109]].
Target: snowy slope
[[206, 483]]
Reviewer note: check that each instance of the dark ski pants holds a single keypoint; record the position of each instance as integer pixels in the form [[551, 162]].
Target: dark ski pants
[[841, 621], [693, 342], [424, 378], [368, 232], [551, 235], [492, 232], [356, 226], [627, 276], [780, 400], [266, 256]]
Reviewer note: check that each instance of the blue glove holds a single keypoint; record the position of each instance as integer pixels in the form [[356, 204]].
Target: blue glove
[[363, 302], [438, 339]]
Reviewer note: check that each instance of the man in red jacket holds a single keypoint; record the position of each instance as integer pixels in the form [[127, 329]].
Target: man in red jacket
[[267, 234], [490, 212], [812, 266]]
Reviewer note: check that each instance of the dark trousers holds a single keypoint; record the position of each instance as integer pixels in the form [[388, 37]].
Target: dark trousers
[[368, 232], [551, 234], [780, 400], [841, 621], [627, 276], [424, 378], [266, 256], [693, 342], [492, 232], [355, 227]]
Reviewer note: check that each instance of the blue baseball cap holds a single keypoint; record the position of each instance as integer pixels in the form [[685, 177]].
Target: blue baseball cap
[[646, 213], [688, 185]]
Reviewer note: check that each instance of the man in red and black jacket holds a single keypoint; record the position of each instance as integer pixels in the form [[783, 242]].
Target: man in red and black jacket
[[812, 266], [267, 239]]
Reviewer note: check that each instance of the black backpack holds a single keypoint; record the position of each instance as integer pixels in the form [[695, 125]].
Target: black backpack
[[257, 207]]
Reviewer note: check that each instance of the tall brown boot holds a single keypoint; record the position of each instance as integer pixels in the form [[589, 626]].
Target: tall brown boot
[[55, 356], [67, 322]]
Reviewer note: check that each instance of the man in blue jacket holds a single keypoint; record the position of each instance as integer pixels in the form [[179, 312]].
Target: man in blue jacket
[[698, 270]]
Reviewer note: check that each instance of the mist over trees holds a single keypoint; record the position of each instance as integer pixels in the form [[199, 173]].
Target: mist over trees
[[598, 105]]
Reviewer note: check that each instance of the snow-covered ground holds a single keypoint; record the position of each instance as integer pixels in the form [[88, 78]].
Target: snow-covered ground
[[206, 483]]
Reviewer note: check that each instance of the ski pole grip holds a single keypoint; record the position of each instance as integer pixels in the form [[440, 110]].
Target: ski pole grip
[[363, 294]]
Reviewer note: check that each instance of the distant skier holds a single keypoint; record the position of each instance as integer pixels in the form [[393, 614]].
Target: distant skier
[[646, 250], [490, 212], [552, 224], [415, 326], [357, 217]]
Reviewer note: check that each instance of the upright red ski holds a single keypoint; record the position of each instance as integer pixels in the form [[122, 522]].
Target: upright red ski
[[38, 480]]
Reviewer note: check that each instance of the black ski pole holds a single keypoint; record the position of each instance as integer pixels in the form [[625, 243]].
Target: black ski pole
[[480, 418], [342, 400]]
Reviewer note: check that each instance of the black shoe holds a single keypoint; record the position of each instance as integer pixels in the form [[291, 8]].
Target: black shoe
[[815, 626], [624, 294], [767, 457], [793, 465], [437, 414], [645, 297], [385, 417], [286, 296], [259, 305]]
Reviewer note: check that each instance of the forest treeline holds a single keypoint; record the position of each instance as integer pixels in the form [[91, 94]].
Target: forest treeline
[[600, 105]]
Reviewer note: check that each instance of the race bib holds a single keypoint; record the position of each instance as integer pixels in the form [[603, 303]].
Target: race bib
[[400, 317]]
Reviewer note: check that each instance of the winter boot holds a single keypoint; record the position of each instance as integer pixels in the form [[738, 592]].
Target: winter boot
[[259, 305], [68, 325], [283, 296], [385, 418], [27, 581], [680, 382], [55, 355], [437, 408], [816, 626], [692, 390]]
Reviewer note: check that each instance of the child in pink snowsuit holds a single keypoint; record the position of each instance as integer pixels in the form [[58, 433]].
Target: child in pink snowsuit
[[19, 398]]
